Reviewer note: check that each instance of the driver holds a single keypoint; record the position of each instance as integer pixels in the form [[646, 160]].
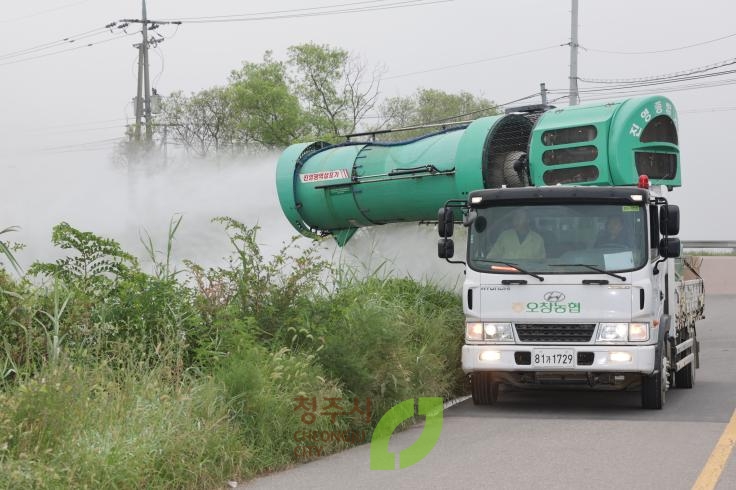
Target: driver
[[518, 242], [613, 234]]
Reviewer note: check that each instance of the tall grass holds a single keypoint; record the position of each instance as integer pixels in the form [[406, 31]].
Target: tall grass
[[114, 378], [6, 249], [77, 427], [392, 339]]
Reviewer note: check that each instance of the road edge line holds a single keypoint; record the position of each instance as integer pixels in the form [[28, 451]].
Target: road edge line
[[454, 402], [711, 472]]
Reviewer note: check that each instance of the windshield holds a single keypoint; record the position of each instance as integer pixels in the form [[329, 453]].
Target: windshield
[[559, 238]]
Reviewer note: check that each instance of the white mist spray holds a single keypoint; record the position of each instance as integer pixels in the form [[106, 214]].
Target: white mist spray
[[93, 195]]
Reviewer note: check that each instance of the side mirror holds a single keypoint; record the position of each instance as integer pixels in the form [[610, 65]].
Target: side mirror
[[670, 247], [669, 220], [445, 222], [445, 248]]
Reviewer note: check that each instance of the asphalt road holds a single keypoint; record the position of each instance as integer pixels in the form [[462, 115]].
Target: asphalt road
[[553, 439]]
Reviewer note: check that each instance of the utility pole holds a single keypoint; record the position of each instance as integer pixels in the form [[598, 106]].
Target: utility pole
[[543, 92], [139, 95], [143, 92], [574, 95], [146, 78]]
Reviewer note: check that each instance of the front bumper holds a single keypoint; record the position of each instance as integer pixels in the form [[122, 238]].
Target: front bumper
[[642, 358]]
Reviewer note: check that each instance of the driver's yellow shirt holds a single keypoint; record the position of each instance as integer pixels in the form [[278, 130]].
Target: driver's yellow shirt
[[508, 246]]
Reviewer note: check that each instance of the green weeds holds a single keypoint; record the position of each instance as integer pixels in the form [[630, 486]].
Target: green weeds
[[115, 378]]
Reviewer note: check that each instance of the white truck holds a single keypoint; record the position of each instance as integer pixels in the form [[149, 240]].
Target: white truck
[[588, 311]]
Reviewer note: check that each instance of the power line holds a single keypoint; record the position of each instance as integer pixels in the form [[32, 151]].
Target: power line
[[485, 109], [53, 44], [707, 109], [85, 130], [614, 94], [467, 63], [558, 98], [286, 11], [73, 125], [82, 150], [255, 18], [74, 39], [700, 69], [82, 145], [644, 86], [660, 82], [36, 14], [631, 89], [495, 106], [53, 53], [660, 51]]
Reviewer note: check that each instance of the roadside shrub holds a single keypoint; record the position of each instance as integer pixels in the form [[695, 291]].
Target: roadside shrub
[[392, 340], [273, 291], [112, 303], [95, 266]]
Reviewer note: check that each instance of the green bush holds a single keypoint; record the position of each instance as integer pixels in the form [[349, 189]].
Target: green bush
[[273, 292], [392, 340], [263, 388]]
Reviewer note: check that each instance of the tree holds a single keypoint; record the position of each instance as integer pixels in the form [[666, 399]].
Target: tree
[[320, 92], [334, 86], [203, 123], [268, 111], [428, 106]]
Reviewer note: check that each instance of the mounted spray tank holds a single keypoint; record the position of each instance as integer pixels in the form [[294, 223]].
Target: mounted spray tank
[[335, 189]]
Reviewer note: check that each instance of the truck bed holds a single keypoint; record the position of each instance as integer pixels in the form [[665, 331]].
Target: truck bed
[[689, 293]]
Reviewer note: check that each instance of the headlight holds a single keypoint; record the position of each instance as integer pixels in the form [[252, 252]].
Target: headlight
[[493, 332], [623, 332], [638, 332], [498, 332], [613, 332]]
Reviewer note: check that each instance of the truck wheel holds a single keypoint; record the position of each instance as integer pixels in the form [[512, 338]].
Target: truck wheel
[[653, 388], [685, 377], [485, 391]]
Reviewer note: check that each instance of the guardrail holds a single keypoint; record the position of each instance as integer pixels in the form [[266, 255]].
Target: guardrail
[[709, 244]]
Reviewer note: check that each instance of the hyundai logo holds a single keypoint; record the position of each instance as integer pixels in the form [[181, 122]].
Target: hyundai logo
[[554, 296]]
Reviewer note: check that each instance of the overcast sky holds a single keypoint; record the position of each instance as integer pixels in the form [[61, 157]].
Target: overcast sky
[[59, 104]]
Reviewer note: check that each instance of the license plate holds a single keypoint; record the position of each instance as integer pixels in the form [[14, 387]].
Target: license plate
[[553, 358]]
